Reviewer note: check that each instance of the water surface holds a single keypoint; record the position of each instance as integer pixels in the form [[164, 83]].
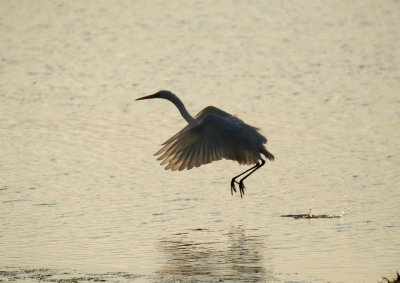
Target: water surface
[[81, 194]]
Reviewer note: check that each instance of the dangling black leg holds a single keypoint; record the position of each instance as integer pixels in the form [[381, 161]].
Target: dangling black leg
[[233, 181], [242, 188]]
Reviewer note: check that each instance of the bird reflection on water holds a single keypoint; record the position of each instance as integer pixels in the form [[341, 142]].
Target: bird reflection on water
[[237, 257]]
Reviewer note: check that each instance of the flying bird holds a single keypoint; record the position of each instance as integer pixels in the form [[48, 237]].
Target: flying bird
[[211, 135]]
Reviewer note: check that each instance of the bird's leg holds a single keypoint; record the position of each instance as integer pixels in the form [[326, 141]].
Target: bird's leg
[[233, 181], [242, 188], [241, 184]]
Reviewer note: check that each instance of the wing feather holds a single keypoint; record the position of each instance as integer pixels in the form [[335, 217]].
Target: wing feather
[[200, 156], [167, 152], [206, 153], [214, 138], [199, 116], [165, 148], [170, 153], [185, 159], [192, 157]]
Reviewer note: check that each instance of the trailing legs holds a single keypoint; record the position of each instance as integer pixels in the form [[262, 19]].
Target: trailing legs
[[242, 188]]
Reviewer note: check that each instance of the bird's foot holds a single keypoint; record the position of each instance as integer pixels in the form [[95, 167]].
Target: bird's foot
[[233, 188], [242, 188]]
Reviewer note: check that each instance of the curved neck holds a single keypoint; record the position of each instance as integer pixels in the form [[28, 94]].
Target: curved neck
[[185, 114]]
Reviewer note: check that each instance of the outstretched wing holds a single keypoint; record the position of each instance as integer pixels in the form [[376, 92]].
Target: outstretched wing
[[214, 138], [199, 117]]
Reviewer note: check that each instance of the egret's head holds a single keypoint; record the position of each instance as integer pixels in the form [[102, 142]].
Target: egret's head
[[166, 94]]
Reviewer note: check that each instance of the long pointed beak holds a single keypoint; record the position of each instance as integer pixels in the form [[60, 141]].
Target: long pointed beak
[[146, 97]]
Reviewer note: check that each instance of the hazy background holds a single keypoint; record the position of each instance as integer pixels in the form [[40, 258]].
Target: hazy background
[[82, 194]]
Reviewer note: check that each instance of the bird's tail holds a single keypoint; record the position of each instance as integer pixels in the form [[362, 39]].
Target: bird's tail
[[267, 154]]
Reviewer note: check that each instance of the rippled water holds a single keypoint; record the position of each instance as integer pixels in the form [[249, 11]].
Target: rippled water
[[82, 197]]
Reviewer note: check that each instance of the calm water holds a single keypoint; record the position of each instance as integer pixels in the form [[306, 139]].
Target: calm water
[[81, 195]]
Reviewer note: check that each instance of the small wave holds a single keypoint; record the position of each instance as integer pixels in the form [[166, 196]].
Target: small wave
[[308, 215]]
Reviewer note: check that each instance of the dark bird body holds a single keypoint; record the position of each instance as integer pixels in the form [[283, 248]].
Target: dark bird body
[[211, 135]]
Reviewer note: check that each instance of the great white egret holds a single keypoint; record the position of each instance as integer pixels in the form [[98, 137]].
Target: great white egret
[[211, 135]]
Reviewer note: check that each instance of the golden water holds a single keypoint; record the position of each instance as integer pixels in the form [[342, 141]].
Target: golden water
[[80, 191]]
